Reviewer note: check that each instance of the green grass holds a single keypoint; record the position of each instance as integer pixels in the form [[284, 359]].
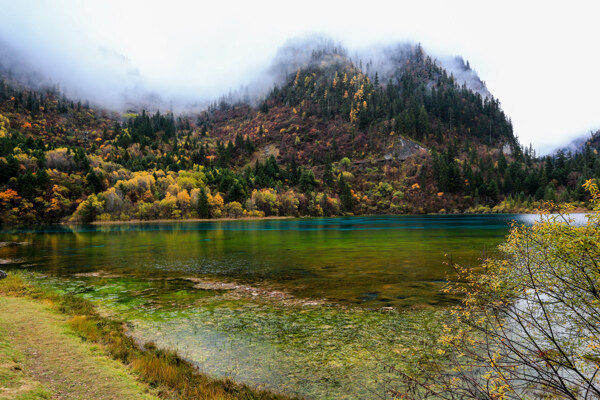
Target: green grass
[[164, 371], [43, 358]]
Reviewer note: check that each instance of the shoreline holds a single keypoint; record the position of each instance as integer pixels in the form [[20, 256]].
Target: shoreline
[[153, 369], [277, 217]]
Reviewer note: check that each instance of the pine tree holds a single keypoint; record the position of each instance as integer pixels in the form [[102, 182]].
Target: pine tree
[[328, 175], [203, 211], [345, 195]]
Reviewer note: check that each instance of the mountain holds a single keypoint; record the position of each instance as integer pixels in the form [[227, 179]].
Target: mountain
[[582, 143], [393, 132], [368, 113]]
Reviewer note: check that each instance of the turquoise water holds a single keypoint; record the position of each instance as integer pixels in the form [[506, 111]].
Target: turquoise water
[[308, 306]]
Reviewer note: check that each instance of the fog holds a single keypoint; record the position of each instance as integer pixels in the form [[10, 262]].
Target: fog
[[539, 59]]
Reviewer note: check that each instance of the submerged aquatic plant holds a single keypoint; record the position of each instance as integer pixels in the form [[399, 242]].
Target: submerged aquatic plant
[[313, 349]]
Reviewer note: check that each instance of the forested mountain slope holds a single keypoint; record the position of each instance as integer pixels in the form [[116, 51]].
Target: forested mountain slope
[[336, 136]]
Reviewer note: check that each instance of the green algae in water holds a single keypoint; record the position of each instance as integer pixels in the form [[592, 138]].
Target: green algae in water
[[318, 351], [130, 295], [324, 354]]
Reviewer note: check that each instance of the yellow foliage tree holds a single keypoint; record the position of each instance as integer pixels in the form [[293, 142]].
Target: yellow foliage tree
[[4, 125]]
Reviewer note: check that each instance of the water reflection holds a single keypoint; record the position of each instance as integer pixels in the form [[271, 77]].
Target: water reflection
[[370, 261]]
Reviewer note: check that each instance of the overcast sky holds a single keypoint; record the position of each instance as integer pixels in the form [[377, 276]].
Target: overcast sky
[[540, 59]]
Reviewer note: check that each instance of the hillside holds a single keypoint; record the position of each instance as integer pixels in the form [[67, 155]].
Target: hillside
[[335, 137]]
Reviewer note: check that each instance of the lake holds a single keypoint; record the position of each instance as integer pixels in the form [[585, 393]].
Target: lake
[[308, 306]]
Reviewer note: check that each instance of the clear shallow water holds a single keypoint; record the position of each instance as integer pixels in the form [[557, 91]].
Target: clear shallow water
[[320, 351]]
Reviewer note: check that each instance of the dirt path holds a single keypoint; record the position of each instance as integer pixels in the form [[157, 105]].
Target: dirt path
[[40, 358]]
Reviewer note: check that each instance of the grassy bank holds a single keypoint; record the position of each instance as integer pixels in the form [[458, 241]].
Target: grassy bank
[[162, 374], [42, 358]]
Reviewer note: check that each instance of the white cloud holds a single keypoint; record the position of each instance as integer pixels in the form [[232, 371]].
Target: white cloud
[[538, 58]]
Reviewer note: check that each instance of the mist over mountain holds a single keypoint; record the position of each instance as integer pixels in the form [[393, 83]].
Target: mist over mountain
[[112, 81], [109, 80], [463, 73], [16, 69], [578, 145]]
